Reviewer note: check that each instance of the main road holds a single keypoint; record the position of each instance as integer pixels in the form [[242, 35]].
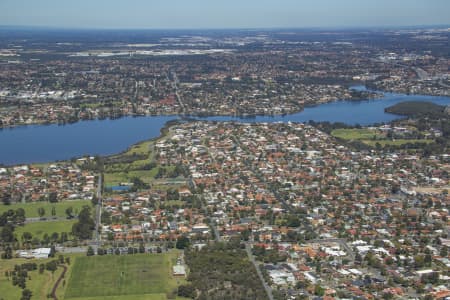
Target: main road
[[341, 242], [98, 214], [268, 289]]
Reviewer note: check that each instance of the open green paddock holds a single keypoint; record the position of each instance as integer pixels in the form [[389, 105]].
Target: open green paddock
[[31, 209], [147, 176], [356, 134], [40, 284], [38, 229], [140, 276], [371, 137], [116, 178]]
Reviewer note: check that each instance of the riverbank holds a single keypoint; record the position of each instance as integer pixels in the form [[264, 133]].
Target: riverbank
[[47, 143], [76, 114]]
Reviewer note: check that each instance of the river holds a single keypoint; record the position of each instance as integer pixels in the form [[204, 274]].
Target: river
[[44, 143]]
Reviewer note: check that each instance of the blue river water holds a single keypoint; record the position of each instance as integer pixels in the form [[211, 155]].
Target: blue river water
[[44, 143]]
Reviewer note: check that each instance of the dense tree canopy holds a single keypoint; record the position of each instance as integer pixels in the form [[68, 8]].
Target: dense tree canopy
[[85, 225]]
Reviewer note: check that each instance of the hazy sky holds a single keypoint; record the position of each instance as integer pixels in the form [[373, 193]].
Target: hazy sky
[[222, 13]]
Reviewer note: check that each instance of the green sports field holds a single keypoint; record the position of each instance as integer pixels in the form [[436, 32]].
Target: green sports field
[[111, 277]]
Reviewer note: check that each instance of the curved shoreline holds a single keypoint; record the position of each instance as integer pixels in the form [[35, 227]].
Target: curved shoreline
[[35, 144], [207, 114], [243, 116]]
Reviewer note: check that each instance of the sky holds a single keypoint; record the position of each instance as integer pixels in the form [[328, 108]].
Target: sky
[[202, 14]]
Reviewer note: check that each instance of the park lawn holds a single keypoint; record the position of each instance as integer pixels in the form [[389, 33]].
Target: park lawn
[[40, 284], [171, 203], [120, 167], [31, 209], [140, 148], [355, 134], [117, 275], [398, 142], [97, 104], [115, 178], [139, 164], [38, 229], [41, 165], [164, 185], [367, 137]]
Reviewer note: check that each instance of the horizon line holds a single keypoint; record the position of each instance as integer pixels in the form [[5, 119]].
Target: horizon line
[[62, 28]]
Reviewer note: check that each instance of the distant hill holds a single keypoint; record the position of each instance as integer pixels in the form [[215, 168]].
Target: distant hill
[[414, 108]]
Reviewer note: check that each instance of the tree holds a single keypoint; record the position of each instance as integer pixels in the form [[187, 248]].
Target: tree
[[419, 261], [318, 290], [27, 237], [90, 251], [428, 259], [7, 234], [41, 211], [292, 221], [182, 242], [69, 212], [54, 237], [8, 254], [187, 291], [51, 266], [26, 294], [53, 197], [52, 251], [63, 237], [85, 225], [19, 216], [53, 211], [6, 199]]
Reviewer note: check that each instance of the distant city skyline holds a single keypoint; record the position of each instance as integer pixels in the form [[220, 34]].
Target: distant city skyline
[[204, 14]]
